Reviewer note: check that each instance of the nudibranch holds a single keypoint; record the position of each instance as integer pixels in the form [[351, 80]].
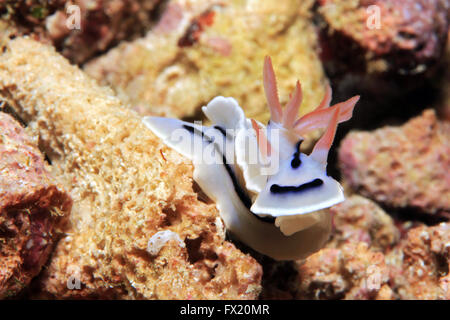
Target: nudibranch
[[269, 194]]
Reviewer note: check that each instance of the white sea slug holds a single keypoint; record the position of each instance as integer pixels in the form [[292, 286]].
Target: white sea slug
[[268, 193]]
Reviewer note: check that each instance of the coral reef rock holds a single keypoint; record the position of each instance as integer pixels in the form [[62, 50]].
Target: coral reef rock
[[358, 219], [352, 265], [369, 256], [420, 264], [202, 49], [80, 28], [353, 271], [127, 186], [404, 167], [401, 36], [32, 208]]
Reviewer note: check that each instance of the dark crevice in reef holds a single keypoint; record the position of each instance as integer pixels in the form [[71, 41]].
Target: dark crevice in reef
[[195, 251], [171, 216], [376, 111], [279, 277], [201, 257], [6, 108], [442, 265], [414, 215], [160, 7], [201, 196]]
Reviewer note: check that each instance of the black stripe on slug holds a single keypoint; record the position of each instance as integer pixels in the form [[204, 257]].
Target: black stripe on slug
[[189, 128], [245, 199], [296, 162], [242, 194], [239, 191], [198, 132], [275, 188], [222, 130]]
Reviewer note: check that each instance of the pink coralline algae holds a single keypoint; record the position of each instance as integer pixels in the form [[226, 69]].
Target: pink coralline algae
[[420, 263], [403, 167], [368, 257], [359, 219], [352, 265], [405, 36], [31, 206], [353, 271], [417, 267]]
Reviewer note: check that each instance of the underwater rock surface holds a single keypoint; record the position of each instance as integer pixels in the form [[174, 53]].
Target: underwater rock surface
[[102, 24], [32, 204], [359, 219], [420, 264], [202, 49], [352, 265], [397, 36], [352, 271], [126, 185], [403, 167], [369, 256]]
